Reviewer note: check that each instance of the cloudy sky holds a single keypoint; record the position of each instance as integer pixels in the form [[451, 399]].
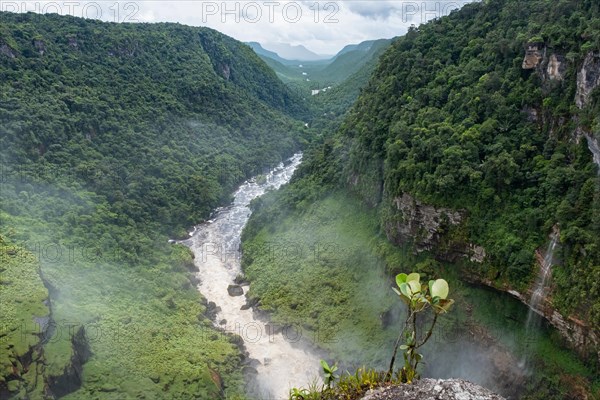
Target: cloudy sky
[[322, 26]]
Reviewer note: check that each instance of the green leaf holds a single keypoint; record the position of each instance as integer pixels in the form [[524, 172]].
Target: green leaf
[[413, 277], [440, 289], [400, 279], [405, 289], [415, 287]]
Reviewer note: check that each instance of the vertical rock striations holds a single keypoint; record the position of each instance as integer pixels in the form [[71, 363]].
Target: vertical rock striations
[[429, 228], [588, 79]]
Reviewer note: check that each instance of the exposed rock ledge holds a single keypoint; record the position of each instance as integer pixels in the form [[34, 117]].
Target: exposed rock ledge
[[427, 227], [432, 389], [580, 336], [588, 79]]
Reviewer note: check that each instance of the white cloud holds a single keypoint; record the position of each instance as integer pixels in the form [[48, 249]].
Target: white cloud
[[322, 26]]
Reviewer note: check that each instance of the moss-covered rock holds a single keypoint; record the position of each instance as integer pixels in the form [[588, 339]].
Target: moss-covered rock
[[22, 305]]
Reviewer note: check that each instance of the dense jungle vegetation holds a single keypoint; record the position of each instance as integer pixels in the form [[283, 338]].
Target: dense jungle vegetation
[[451, 117], [115, 138], [445, 119]]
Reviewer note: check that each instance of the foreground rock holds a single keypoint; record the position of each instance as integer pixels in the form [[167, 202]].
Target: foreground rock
[[433, 389]]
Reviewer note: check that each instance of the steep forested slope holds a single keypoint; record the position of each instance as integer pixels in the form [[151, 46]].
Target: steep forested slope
[[113, 136], [331, 106], [75, 92], [469, 143], [349, 62], [455, 118]]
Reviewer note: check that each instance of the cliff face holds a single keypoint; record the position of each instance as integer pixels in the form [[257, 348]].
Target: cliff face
[[588, 79], [24, 311], [534, 54], [429, 228], [71, 378], [580, 336], [550, 65], [438, 229]]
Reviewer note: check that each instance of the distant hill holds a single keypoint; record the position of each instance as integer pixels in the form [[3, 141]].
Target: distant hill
[[298, 52], [350, 60], [363, 46], [262, 52], [307, 76]]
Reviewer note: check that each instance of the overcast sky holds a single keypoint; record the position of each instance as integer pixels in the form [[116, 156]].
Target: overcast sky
[[322, 26]]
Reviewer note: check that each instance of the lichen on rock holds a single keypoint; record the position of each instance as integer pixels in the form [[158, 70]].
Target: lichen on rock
[[430, 389]]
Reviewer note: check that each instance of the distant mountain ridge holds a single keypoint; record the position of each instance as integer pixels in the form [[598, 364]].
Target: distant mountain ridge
[[363, 46], [298, 52], [351, 59], [262, 52], [315, 75]]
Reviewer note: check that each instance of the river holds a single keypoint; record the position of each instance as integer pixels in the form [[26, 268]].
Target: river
[[280, 360]]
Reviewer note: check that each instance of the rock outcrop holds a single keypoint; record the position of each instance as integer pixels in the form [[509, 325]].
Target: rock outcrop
[[235, 290], [580, 336], [588, 79], [428, 227], [594, 147], [556, 67], [40, 46], [548, 64], [73, 42], [7, 51], [534, 54], [430, 389]]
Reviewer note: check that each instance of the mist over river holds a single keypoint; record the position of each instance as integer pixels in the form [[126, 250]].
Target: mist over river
[[280, 360]]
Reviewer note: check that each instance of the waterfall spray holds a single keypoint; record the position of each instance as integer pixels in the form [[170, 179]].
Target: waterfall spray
[[535, 314]]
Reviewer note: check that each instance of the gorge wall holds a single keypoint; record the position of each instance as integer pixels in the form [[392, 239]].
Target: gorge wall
[[475, 157]]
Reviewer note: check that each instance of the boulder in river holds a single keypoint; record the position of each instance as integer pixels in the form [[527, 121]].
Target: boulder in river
[[235, 290]]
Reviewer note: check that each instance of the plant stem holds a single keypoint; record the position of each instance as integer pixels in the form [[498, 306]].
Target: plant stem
[[391, 369], [415, 336], [429, 333]]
